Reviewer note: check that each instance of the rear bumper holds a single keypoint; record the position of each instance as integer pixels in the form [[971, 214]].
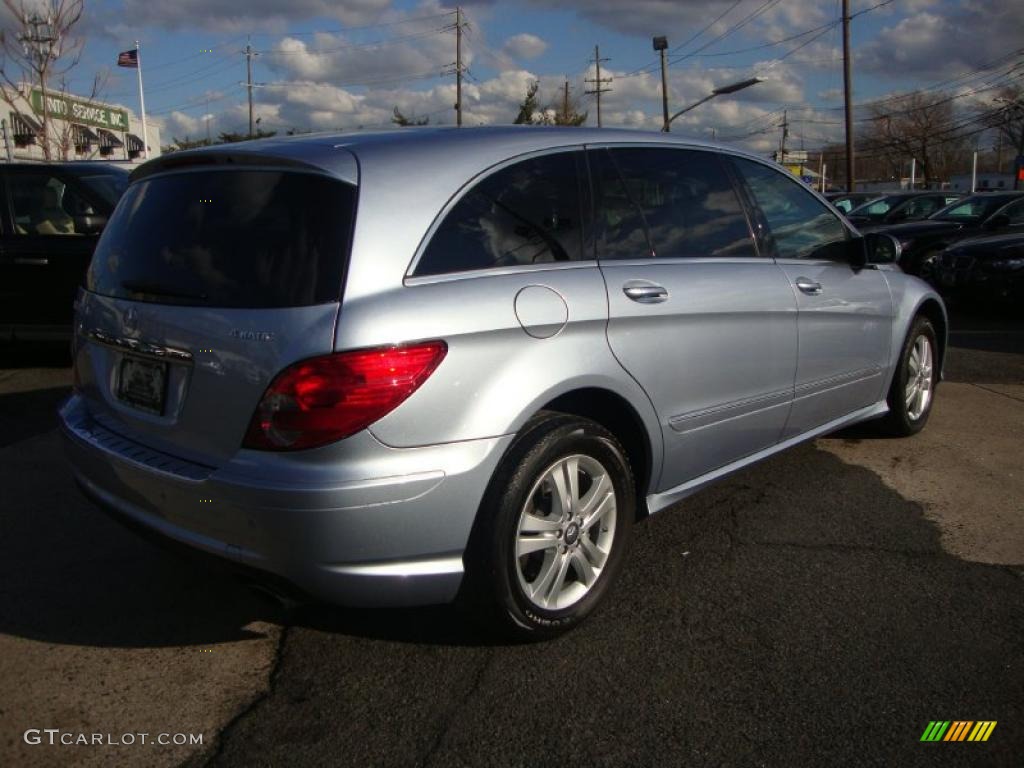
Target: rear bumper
[[357, 523]]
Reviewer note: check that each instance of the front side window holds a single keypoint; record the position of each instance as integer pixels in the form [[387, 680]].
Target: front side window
[[666, 203], [801, 226], [44, 204], [920, 207], [526, 213]]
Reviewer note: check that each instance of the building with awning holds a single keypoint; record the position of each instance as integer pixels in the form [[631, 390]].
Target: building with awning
[[79, 129]]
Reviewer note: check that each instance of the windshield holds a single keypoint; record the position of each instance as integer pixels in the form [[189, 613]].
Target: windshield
[[976, 208], [878, 208], [227, 238]]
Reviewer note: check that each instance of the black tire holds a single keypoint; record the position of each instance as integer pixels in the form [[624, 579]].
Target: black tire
[[900, 421], [494, 571]]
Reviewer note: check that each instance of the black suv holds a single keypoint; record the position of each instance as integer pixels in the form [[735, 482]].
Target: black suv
[[50, 219]]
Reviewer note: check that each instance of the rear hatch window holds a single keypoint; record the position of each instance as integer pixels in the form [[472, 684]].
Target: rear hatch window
[[254, 239]]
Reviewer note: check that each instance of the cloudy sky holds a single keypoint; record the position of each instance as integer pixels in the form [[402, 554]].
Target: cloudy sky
[[344, 64]]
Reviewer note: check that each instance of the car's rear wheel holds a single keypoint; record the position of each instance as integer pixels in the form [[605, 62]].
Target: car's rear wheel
[[913, 384], [554, 526]]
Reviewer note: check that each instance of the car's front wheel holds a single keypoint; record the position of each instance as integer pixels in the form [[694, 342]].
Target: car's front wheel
[[913, 383], [555, 525]]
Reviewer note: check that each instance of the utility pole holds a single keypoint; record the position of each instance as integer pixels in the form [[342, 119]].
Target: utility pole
[[598, 81], [458, 66], [565, 103], [661, 46], [785, 135], [249, 83], [848, 96]]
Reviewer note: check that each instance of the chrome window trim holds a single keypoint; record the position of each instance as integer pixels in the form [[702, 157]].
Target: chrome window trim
[[511, 269]]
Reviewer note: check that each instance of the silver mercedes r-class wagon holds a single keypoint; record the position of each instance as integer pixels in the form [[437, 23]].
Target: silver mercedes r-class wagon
[[401, 368]]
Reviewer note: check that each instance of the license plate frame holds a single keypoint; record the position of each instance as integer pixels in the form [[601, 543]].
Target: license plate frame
[[142, 384]]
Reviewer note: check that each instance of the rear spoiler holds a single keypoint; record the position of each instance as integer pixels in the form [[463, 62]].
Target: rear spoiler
[[296, 154]]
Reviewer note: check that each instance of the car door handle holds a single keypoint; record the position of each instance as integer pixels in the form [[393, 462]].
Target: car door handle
[[645, 293], [34, 261], [808, 286]]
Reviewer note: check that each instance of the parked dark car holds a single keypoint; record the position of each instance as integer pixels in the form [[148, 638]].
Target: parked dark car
[[898, 207], [51, 216], [988, 213], [987, 268], [847, 201]]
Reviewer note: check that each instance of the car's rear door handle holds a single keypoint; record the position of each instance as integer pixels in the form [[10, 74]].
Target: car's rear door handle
[[34, 261], [808, 286], [644, 292]]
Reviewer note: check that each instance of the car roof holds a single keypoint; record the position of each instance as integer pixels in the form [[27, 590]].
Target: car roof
[[470, 149], [407, 176]]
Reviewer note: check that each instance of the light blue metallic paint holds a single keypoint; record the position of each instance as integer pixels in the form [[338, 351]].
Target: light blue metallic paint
[[384, 516]]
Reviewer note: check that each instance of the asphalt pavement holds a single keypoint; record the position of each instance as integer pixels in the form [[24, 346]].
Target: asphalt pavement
[[820, 608]]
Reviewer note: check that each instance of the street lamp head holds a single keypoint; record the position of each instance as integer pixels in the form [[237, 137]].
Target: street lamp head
[[660, 43], [733, 87]]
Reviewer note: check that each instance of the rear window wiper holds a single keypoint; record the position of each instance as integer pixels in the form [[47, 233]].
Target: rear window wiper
[[154, 289]]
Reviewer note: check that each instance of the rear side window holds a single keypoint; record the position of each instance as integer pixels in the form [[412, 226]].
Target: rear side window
[[526, 213], [666, 203], [227, 238]]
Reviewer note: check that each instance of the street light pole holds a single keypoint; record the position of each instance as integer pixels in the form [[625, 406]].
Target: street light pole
[[661, 46], [722, 91]]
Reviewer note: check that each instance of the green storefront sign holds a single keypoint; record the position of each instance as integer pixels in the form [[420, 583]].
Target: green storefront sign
[[74, 110]]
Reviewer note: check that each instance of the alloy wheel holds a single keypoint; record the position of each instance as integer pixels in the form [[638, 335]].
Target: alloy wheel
[[919, 386], [565, 532]]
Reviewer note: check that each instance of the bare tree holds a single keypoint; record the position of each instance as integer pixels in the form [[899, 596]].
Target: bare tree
[[37, 49], [1006, 117], [400, 119], [920, 126], [563, 110]]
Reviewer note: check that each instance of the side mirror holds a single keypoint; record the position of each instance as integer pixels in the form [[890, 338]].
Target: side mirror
[[880, 248]]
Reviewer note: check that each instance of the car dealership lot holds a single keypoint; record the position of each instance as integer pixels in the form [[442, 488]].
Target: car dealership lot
[[826, 604]]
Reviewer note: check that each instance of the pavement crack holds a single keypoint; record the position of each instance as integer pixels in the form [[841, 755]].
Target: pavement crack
[[453, 713], [844, 548], [997, 392], [275, 671]]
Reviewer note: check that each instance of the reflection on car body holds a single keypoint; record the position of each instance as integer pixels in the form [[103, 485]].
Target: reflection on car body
[[480, 354]]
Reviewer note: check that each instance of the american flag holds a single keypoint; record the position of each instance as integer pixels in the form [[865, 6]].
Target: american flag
[[128, 58]]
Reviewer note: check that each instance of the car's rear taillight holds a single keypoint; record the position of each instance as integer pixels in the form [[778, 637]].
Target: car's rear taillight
[[324, 399]]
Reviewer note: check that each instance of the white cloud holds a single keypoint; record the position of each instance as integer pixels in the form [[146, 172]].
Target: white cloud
[[235, 17], [524, 46], [949, 40]]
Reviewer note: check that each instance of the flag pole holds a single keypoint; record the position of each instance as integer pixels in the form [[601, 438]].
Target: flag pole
[[142, 102]]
